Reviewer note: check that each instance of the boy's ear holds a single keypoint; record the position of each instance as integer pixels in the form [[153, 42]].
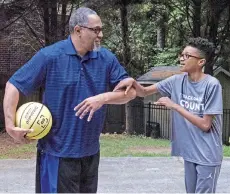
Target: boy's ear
[[202, 62]]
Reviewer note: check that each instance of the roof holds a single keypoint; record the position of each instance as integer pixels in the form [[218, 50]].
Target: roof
[[220, 69], [157, 74]]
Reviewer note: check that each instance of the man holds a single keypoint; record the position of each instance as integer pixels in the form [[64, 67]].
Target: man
[[195, 99], [69, 71]]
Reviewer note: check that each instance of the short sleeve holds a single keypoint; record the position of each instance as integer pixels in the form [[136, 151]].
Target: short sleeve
[[165, 86], [31, 75], [116, 74], [213, 99]]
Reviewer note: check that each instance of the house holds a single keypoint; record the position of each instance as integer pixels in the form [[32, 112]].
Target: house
[[157, 74], [224, 77]]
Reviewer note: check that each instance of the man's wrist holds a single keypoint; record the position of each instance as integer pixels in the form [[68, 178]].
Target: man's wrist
[[103, 98], [10, 127]]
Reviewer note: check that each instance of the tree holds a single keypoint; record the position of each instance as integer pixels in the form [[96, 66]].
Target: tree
[[213, 24]]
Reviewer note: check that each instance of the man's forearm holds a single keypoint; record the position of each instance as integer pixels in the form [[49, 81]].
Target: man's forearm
[[118, 97], [10, 103]]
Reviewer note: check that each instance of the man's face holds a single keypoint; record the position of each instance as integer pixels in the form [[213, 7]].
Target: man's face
[[91, 34], [191, 60]]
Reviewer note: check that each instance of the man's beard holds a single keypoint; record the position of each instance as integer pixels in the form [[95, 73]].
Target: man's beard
[[96, 47]]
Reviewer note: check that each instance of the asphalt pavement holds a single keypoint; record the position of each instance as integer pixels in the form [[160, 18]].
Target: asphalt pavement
[[116, 175]]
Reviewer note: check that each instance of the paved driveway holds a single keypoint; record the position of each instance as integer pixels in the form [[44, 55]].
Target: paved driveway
[[117, 175]]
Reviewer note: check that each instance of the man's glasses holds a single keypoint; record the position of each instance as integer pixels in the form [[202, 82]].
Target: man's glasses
[[186, 56], [96, 30]]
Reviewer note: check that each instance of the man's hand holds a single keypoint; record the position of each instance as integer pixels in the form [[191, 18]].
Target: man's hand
[[165, 101], [19, 134], [125, 84], [90, 105]]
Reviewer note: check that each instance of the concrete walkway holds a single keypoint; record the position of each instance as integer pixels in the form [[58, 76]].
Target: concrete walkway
[[117, 175]]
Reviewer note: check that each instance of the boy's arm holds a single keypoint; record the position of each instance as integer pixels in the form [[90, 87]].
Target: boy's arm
[[203, 123], [141, 91]]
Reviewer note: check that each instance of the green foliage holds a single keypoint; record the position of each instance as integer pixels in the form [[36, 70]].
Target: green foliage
[[166, 57], [142, 32], [144, 17], [142, 36]]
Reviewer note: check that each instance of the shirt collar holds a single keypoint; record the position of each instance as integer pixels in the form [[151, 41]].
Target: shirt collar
[[70, 50]]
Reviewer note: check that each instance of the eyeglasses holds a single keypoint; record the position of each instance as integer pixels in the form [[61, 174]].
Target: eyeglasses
[[96, 30], [187, 56]]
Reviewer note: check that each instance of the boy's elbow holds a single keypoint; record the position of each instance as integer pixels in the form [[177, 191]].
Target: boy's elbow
[[206, 127]]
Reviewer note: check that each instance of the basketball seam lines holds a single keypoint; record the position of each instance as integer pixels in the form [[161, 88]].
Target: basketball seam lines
[[36, 116], [23, 113]]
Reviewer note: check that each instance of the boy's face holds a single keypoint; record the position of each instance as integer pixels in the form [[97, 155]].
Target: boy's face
[[191, 60]]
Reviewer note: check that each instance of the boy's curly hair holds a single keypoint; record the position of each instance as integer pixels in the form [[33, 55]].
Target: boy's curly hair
[[206, 48]]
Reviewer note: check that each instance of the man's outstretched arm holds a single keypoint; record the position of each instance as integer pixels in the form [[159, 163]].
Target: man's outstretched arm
[[93, 103]]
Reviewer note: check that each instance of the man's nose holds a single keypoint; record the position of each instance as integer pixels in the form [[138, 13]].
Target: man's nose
[[100, 35]]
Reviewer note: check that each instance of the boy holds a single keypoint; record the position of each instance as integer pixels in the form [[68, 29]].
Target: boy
[[195, 99]]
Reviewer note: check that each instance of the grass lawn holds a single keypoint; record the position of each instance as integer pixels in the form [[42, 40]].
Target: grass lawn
[[124, 145], [111, 146]]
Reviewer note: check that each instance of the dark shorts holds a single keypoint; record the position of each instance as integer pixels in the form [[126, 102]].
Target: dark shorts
[[66, 175]]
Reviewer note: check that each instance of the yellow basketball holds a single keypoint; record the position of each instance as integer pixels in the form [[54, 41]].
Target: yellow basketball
[[34, 115]]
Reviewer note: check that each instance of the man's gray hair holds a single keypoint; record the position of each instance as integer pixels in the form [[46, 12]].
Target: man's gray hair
[[80, 17]]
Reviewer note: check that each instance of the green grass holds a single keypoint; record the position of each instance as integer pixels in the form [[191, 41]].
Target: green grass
[[20, 151], [226, 151], [139, 146], [111, 146], [124, 145]]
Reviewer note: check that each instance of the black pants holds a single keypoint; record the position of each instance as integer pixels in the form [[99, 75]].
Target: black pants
[[66, 175]]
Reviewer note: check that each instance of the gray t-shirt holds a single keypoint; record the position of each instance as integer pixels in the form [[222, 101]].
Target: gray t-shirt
[[200, 98]]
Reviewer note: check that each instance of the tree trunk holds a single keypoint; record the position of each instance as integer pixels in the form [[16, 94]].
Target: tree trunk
[[63, 19], [135, 116], [124, 31], [181, 33], [126, 58], [161, 32], [45, 8], [53, 21], [213, 22], [196, 17]]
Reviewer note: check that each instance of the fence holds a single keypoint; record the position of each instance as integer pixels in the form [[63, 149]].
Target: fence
[[144, 118], [159, 118], [226, 127], [158, 115]]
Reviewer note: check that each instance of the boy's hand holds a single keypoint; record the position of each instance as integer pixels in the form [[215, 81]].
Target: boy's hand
[[125, 84]]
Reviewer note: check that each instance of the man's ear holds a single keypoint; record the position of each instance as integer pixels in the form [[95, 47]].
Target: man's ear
[[77, 29]]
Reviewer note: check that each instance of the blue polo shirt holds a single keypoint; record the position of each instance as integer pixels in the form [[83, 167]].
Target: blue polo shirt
[[67, 80]]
